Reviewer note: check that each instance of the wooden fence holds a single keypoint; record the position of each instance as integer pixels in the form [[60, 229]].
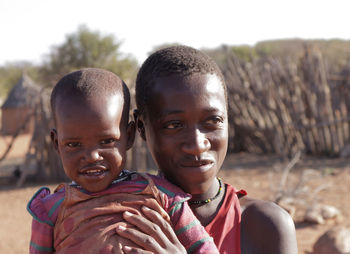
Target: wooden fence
[[283, 106]]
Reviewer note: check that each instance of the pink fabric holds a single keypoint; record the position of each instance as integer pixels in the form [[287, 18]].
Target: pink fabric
[[72, 221]]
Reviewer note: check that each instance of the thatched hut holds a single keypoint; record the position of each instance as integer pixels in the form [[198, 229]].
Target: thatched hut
[[18, 107]]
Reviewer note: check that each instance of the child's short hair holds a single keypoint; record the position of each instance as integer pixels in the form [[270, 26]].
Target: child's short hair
[[176, 60], [89, 82]]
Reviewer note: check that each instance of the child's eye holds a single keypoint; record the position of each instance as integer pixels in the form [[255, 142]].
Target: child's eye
[[107, 141], [173, 125], [73, 144]]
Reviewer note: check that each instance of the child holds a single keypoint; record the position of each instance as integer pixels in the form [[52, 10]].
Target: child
[[92, 134], [182, 115]]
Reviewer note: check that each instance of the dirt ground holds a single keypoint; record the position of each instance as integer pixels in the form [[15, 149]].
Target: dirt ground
[[258, 175]]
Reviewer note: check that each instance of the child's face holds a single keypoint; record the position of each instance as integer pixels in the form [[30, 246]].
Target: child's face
[[186, 129], [92, 139]]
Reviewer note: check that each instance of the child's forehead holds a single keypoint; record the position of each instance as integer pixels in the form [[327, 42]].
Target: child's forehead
[[99, 113], [99, 103], [77, 97]]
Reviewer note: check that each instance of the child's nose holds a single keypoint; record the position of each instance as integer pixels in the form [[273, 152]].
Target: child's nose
[[92, 155], [196, 142]]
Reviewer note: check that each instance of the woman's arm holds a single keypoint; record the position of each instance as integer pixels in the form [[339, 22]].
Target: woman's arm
[[266, 228]]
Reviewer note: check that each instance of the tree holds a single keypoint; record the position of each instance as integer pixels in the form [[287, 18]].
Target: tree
[[161, 46], [87, 48]]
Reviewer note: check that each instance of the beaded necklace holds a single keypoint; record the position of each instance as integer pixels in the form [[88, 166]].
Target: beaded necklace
[[200, 202]]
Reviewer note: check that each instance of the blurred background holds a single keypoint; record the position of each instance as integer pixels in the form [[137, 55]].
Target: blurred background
[[286, 66]]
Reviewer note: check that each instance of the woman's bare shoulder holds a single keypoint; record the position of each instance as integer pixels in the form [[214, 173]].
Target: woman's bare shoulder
[[266, 228]]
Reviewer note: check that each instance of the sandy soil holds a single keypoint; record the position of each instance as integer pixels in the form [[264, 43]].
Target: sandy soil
[[19, 147], [258, 175]]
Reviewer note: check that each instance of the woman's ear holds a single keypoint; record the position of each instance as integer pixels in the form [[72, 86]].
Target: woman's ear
[[140, 124], [54, 141], [130, 132]]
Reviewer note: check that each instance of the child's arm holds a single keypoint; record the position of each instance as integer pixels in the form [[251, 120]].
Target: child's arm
[[41, 240], [189, 230], [44, 208]]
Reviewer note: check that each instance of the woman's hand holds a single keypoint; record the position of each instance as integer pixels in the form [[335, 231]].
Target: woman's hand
[[153, 233]]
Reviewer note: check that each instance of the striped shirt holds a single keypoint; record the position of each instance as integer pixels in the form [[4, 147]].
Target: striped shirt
[[72, 220]]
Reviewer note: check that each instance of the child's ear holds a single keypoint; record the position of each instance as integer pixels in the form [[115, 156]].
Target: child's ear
[[139, 124], [54, 141], [130, 132]]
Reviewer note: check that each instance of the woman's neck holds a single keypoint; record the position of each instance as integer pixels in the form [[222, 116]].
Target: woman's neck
[[205, 190], [206, 212]]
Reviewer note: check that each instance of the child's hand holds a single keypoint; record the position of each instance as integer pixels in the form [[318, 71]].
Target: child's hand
[[154, 234]]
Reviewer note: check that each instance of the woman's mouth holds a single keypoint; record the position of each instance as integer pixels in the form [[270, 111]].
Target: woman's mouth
[[198, 165]]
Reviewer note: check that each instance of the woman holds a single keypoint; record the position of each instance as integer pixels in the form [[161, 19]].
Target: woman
[[182, 116]]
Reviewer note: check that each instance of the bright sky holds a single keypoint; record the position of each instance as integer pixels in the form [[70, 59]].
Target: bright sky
[[29, 28]]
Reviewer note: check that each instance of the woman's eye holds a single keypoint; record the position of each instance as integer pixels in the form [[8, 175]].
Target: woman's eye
[[215, 120], [73, 144], [172, 125], [108, 141]]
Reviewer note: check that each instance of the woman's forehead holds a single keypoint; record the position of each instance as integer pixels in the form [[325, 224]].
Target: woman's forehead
[[203, 93], [201, 83]]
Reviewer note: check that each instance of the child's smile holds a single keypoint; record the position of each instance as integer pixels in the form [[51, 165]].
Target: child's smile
[[93, 171]]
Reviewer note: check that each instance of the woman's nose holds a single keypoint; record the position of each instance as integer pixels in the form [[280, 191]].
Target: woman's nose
[[196, 142]]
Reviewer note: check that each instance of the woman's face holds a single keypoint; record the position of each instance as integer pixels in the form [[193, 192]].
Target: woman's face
[[186, 129]]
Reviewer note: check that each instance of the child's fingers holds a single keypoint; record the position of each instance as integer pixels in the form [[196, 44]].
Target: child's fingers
[[143, 240], [157, 219]]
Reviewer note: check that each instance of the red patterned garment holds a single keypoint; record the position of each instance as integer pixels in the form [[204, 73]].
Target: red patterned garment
[[73, 221], [225, 227]]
